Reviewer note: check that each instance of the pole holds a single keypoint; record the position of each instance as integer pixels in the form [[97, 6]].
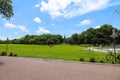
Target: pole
[[114, 50], [7, 46], [114, 35]]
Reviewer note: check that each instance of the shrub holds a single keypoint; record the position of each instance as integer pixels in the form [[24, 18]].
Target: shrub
[[101, 61], [15, 55], [92, 59], [81, 59], [3, 53], [11, 54], [113, 62]]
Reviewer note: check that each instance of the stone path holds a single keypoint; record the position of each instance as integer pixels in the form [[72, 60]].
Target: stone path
[[16, 68]]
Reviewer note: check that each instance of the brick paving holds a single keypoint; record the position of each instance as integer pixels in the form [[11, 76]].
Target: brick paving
[[16, 68]]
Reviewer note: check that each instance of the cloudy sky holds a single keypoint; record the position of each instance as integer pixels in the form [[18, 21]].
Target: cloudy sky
[[58, 17]]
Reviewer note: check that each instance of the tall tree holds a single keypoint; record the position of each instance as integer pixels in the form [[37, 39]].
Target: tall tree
[[75, 38], [6, 9]]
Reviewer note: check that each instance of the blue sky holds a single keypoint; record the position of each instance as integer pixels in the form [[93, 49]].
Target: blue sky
[[36, 17]]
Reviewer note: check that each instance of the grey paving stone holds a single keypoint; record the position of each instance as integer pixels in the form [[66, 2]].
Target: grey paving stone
[[16, 68]]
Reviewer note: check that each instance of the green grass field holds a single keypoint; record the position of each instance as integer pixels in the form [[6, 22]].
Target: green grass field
[[65, 52]]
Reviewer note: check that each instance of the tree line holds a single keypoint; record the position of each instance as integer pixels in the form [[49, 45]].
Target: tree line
[[98, 36]]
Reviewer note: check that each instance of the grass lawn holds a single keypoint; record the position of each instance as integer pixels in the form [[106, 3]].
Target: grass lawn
[[65, 52]]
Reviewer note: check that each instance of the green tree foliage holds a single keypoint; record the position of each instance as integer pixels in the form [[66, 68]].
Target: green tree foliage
[[2, 42], [88, 35], [99, 36], [75, 38], [39, 39], [103, 34], [6, 9]]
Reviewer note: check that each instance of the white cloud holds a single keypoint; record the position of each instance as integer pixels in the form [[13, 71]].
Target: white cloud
[[37, 20], [37, 5], [3, 38], [22, 28], [97, 27], [85, 22], [42, 30], [71, 8], [9, 25]]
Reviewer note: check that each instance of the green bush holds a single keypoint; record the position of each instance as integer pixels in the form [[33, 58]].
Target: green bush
[[11, 54], [92, 59], [15, 55], [81, 59], [113, 62], [3, 53], [101, 61]]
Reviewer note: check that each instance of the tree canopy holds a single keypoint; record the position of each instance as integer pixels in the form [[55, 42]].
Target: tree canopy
[[98, 36], [6, 9]]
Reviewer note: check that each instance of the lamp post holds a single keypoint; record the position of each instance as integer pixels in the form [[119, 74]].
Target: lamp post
[[114, 35], [7, 46]]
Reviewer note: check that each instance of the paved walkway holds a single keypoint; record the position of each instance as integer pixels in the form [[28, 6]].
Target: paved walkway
[[13, 68], [103, 49]]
